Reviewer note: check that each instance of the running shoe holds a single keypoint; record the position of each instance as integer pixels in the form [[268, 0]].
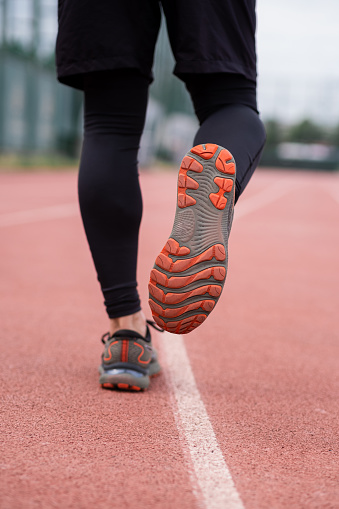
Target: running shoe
[[189, 274], [129, 360]]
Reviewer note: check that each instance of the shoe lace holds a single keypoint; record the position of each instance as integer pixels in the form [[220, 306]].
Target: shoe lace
[[106, 337], [154, 325]]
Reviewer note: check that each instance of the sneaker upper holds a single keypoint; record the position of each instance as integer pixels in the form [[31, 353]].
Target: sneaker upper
[[127, 349]]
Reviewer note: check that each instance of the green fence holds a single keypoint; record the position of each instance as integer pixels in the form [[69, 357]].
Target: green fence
[[37, 114]]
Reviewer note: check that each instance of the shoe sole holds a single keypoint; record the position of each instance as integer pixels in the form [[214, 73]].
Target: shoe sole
[[126, 381], [189, 274]]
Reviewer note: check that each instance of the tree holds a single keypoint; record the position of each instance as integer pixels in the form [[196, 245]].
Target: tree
[[334, 137], [273, 133], [306, 132]]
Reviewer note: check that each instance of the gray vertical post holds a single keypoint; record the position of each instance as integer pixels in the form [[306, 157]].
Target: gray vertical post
[[4, 9], [4, 5], [2, 97], [33, 77], [36, 22]]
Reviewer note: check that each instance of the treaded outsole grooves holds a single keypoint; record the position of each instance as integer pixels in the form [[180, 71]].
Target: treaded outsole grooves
[[176, 269]]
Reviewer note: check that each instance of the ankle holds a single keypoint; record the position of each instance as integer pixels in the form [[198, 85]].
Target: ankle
[[135, 322]]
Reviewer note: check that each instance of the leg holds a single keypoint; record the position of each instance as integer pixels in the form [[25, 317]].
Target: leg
[[189, 273], [111, 207], [109, 192], [225, 105]]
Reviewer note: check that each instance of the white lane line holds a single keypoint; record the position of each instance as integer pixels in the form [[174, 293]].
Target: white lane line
[[268, 195], [265, 197], [43, 214], [211, 472], [334, 193]]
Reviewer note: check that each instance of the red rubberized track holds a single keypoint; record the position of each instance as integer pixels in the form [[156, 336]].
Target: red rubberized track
[[265, 361]]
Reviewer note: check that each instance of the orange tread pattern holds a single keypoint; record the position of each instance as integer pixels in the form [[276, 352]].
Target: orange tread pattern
[[185, 182], [172, 262], [205, 305], [218, 199], [165, 262], [224, 164], [205, 151], [176, 298], [172, 247], [108, 385], [183, 326], [218, 273]]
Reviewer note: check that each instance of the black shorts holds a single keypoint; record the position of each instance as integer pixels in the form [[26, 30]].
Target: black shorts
[[206, 36]]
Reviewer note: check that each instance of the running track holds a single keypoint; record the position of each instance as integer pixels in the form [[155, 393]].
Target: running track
[[245, 414]]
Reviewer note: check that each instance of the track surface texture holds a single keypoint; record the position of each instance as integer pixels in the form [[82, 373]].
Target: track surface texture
[[259, 378]]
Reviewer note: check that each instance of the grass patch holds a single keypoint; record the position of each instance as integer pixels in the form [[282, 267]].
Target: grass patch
[[36, 162]]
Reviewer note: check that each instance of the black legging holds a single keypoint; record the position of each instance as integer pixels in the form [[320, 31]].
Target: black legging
[[109, 191]]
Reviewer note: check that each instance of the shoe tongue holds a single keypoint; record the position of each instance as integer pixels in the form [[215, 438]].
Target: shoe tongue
[[131, 334]]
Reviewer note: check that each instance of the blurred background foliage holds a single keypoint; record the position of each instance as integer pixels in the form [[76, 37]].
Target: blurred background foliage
[[41, 120]]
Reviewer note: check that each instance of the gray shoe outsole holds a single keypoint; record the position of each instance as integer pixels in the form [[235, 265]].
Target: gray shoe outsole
[[189, 274]]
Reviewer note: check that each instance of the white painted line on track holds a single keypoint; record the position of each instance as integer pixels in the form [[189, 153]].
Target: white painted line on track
[[43, 214], [334, 193], [211, 472], [265, 197], [268, 195]]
